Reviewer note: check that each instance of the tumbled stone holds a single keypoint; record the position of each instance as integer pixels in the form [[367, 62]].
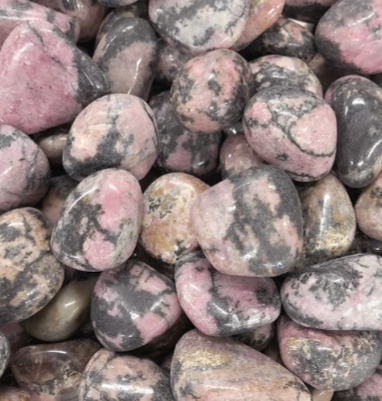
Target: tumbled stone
[[5, 352], [16, 336], [132, 305], [30, 275], [342, 294], [307, 10], [250, 224], [14, 394], [259, 338], [214, 369], [99, 224]]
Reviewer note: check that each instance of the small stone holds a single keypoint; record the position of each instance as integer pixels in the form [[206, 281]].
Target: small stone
[[259, 338], [307, 10], [14, 394], [5, 353]]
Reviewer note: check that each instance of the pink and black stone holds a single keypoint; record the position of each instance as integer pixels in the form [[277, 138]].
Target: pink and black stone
[[220, 305], [259, 338], [110, 376], [357, 103], [341, 294], [181, 150], [35, 99], [5, 353], [307, 10], [329, 360], [132, 305], [250, 224]]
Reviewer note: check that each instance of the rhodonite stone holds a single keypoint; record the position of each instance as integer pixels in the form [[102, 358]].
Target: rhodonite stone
[[292, 129], [287, 38], [197, 26], [250, 224], [45, 80], [210, 91], [15, 12], [5, 353], [215, 369], [221, 305], [99, 224], [342, 294], [52, 372], [30, 275], [275, 70], [181, 150], [24, 170], [127, 54], [110, 376], [14, 394], [236, 156], [166, 232], [259, 338], [329, 360], [123, 135], [348, 37], [307, 10], [132, 305], [357, 103], [329, 220]]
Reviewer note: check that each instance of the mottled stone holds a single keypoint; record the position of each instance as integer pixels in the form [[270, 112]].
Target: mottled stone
[[220, 305], [357, 103], [5, 352], [110, 376], [166, 232], [30, 275], [348, 35], [275, 70], [181, 150], [16, 336], [198, 26], [14, 394], [98, 227], [114, 131], [329, 360], [24, 170], [307, 10], [342, 294], [132, 305], [127, 54], [214, 369], [60, 189], [287, 38], [329, 220], [364, 244], [250, 224], [45, 80], [294, 130], [259, 338], [52, 372], [236, 156], [210, 91]]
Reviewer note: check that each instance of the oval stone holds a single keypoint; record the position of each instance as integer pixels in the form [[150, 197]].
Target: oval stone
[[342, 294], [357, 103], [5, 353], [250, 224], [259, 338]]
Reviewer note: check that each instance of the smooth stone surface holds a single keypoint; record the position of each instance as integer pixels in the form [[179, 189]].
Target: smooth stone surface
[[45, 80], [357, 103], [286, 38], [220, 305], [110, 376], [329, 360], [127, 54], [275, 70], [14, 394], [294, 130], [307, 10], [99, 224], [5, 352], [234, 129], [181, 150], [321, 395], [30, 275], [88, 13], [259, 338], [66, 312], [52, 142], [166, 232], [215, 369], [16, 336], [132, 305], [250, 224], [60, 189], [24, 170], [210, 91], [236, 156], [329, 220], [197, 27], [15, 12], [114, 131], [348, 36], [342, 294], [52, 372]]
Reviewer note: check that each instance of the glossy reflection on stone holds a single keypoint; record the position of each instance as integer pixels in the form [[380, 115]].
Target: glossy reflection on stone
[[259, 338], [322, 395], [5, 352]]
